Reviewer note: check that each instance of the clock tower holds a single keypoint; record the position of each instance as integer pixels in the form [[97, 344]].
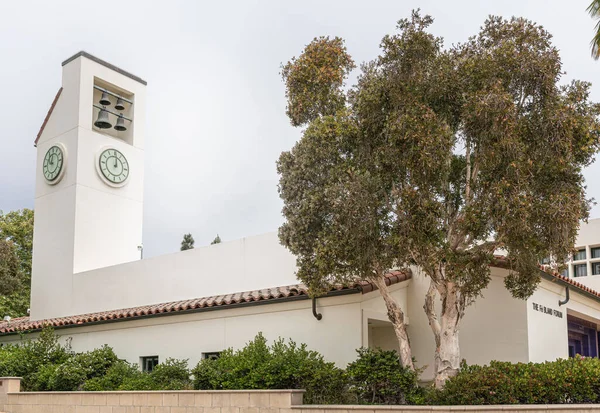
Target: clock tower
[[89, 180]]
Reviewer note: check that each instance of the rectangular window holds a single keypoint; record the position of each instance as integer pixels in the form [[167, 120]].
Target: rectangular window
[[565, 273], [580, 270], [148, 363], [211, 356], [596, 268], [545, 261], [579, 255], [595, 252]]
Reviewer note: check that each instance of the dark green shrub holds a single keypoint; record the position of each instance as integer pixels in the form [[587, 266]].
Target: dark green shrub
[[377, 377], [172, 374], [28, 359], [279, 366], [67, 376], [120, 372], [574, 380], [97, 362], [72, 373]]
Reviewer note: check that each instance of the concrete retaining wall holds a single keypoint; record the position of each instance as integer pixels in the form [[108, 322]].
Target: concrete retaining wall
[[12, 400]]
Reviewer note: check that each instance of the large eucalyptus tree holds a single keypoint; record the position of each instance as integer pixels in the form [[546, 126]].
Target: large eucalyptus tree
[[436, 158]]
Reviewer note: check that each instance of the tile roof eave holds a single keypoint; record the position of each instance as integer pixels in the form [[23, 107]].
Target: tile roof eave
[[503, 262], [39, 135], [274, 295]]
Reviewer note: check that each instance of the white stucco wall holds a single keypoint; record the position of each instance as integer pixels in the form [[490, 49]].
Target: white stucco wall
[[234, 266], [547, 330], [589, 233], [588, 237]]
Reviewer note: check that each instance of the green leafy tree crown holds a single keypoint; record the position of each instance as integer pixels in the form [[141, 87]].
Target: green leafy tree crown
[[187, 243]]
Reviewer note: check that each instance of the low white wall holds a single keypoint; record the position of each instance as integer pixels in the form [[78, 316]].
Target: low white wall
[[242, 265]]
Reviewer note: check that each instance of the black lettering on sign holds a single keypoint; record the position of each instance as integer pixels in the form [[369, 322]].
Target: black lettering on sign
[[547, 310]]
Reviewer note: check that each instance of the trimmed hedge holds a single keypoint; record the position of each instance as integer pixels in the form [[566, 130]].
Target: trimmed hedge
[[46, 365], [564, 381], [279, 366], [375, 377]]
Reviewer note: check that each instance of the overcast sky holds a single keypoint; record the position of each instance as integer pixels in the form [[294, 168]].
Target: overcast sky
[[216, 108]]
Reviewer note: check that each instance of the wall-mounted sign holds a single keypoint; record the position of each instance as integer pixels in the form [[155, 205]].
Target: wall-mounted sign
[[547, 310]]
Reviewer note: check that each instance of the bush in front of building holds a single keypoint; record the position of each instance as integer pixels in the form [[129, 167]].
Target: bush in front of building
[[282, 365], [564, 381], [377, 377], [172, 374], [46, 365], [29, 358]]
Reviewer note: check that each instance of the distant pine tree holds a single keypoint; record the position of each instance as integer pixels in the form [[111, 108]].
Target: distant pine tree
[[217, 240], [187, 243]]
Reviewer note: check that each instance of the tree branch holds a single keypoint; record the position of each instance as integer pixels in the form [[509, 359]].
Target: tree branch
[[429, 308], [396, 316]]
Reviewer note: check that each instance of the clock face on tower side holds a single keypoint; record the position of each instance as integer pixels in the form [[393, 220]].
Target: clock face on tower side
[[113, 166], [54, 161]]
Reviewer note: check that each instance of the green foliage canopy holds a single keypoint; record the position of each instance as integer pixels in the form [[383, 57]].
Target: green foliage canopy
[[16, 245], [279, 366], [438, 151], [187, 243], [438, 158], [564, 381], [377, 377]]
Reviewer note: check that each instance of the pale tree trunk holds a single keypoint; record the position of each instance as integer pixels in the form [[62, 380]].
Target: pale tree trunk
[[449, 350], [445, 332], [396, 316], [434, 323]]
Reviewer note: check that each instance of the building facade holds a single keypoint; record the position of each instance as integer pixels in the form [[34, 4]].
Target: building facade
[[89, 282]]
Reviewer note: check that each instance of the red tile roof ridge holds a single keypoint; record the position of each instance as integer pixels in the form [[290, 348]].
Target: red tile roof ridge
[[224, 300], [47, 116]]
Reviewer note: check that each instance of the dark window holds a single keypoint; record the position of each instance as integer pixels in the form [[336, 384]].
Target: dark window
[[211, 356], [596, 268], [579, 255], [148, 363], [580, 270], [545, 261], [565, 273], [595, 252]]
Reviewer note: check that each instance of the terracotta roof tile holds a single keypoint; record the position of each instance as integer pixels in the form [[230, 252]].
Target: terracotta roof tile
[[181, 307], [48, 116], [502, 261]]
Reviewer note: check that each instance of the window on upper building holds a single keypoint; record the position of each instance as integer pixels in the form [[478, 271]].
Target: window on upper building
[[580, 270], [595, 252], [148, 363], [579, 255], [596, 268], [545, 261], [213, 355]]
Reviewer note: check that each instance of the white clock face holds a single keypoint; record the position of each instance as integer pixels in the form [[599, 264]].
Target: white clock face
[[113, 166]]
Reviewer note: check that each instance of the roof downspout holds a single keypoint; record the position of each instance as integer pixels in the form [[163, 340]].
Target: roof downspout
[[567, 297], [318, 316]]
